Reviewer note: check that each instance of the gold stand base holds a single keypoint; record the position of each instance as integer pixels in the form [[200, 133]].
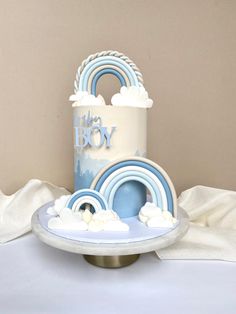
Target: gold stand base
[[111, 261]]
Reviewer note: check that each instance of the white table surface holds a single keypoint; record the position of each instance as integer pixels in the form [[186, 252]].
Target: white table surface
[[35, 278]]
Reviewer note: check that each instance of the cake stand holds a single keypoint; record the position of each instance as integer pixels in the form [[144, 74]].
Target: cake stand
[[107, 249]]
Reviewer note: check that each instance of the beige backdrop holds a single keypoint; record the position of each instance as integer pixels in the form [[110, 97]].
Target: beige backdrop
[[186, 50]]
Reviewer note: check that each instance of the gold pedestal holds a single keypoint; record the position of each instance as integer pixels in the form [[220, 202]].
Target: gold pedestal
[[111, 261]]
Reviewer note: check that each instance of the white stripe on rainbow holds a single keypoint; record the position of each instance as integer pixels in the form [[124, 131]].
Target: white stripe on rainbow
[[106, 62], [109, 179]]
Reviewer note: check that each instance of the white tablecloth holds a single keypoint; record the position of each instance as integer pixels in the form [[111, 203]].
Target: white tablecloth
[[35, 278]]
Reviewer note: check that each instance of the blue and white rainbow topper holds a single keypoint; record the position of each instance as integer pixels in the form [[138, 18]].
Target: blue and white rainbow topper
[[151, 175], [106, 62], [87, 196]]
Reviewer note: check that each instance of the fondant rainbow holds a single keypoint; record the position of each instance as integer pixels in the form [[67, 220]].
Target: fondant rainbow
[[106, 62], [87, 196], [108, 181]]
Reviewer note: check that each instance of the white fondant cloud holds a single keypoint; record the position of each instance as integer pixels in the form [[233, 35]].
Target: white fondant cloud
[[59, 204], [51, 211], [86, 99], [132, 96], [66, 219], [105, 216], [107, 220], [154, 217]]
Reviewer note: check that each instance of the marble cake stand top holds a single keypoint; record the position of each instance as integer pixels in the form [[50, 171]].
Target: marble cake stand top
[[139, 239]]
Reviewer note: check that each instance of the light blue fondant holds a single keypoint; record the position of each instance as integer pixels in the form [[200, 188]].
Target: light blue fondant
[[83, 136], [82, 179], [87, 192], [86, 168], [103, 72], [129, 198], [136, 176], [107, 60], [145, 166], [110, 197]]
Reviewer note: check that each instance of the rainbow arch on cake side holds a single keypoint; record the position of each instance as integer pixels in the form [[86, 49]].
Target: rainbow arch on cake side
[[87, 196], [110, 178], [106, 62]]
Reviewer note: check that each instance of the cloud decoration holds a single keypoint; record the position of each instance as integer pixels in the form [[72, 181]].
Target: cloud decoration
[[107, 220], [82, 220], [132, 96], [59, 204], [83, 98], [67, 220], [155, 217]]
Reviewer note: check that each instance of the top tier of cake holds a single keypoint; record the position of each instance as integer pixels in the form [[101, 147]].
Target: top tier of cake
[[104, 133]]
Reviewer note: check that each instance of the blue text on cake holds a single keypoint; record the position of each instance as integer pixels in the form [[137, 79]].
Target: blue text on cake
[[89, 131]]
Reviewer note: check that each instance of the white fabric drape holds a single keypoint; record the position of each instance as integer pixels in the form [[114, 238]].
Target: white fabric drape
[[17, 209], [212, 232]]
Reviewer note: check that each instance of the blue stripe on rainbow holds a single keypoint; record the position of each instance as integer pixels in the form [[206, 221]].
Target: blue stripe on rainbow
[[135, 176], [93, 65], [91, 194], [160, 174], [103, 72]]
